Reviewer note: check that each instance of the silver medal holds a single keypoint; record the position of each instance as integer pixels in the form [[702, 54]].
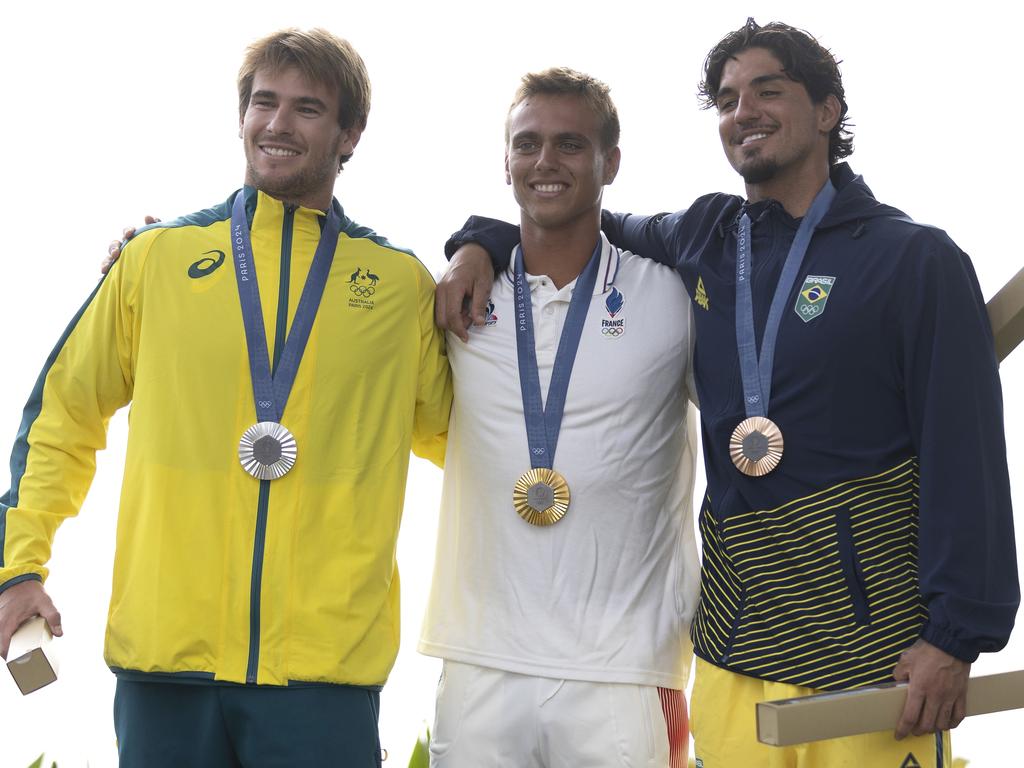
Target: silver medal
[[267, 450]]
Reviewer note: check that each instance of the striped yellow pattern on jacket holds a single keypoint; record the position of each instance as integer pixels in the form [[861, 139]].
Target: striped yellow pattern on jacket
[[820, 592]]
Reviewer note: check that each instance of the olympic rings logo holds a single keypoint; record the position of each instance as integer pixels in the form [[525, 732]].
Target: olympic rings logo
[[613, 332], [809, 310], [362, 290]]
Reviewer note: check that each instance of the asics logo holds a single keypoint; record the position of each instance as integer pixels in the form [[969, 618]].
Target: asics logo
[[205, 266]]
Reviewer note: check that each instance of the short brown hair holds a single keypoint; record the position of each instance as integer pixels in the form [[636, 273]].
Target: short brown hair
[[562, 81], [321, 58]]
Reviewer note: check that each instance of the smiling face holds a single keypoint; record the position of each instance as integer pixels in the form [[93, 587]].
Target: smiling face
[[772, 132], [555, 162], [293, 142]]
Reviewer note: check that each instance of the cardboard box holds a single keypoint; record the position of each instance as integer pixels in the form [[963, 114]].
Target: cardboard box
[[1006, 313], [31, 659], [876, 708]]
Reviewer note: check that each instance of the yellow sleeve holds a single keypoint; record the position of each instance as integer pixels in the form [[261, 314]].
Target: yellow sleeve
[[85, 379], [434, 383]]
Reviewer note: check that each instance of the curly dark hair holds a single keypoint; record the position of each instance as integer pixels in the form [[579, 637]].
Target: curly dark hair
[[803, 59]]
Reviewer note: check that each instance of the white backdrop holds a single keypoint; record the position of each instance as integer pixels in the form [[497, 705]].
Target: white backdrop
[[114, 111]]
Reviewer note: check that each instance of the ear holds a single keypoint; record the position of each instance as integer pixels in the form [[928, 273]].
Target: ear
[[612, 157], [508, 173], [348, 140], [828, 113]]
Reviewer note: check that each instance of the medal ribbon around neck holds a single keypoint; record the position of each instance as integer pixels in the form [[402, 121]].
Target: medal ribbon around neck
[[541, 496], [267, 450], [756, 444]]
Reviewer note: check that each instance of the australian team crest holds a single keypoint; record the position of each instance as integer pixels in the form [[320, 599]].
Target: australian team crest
[[813, 296], [613, 326], [362, 284]]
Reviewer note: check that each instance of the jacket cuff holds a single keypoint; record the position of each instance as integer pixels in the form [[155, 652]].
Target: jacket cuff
[[18, 579], [455, 242], [944, 640]]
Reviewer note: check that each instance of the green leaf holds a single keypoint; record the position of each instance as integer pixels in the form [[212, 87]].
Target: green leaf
[[37, 763], [421, 752]]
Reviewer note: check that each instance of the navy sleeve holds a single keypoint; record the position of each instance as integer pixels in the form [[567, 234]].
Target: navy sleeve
[[967, 557], [673, 239], [655, 237], [497, 237], [668, 238]]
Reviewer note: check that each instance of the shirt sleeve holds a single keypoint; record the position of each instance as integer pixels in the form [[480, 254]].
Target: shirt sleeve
[[496, 237], [434, 382], [86, 378], [967, 557]]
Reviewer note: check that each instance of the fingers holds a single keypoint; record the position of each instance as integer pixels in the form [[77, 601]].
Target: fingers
[[928, 720], [448, 301], [20, 603], [114, 249], [52, 616], [937, 694], [113, 253], [482, 284], [901, 672], [464, 290], [959, 711], [944, 717], [911, 713]]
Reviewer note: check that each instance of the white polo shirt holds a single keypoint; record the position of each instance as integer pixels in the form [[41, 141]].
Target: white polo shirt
[[607, 593]]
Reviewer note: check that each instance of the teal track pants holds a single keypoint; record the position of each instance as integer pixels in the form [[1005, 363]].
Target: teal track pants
[[175, 725]]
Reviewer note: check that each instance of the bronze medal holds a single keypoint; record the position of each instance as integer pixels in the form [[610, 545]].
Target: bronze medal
[[756, 446]]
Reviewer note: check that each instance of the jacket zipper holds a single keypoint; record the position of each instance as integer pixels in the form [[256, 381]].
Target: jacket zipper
[[263, 504]]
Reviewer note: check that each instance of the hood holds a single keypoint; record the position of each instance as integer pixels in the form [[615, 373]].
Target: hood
[[854, 200]]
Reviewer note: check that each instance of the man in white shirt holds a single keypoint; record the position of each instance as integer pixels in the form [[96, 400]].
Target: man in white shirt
[[566, 570]]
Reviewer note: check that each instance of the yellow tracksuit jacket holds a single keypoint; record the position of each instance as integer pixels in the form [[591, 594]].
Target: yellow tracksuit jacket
[[218, 575]]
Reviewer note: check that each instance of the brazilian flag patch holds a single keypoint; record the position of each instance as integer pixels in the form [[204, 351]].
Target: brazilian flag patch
[[813, 296]]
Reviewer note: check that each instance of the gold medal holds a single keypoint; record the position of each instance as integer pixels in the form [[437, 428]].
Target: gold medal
[[267, 450], [756, 446], [541, 496]]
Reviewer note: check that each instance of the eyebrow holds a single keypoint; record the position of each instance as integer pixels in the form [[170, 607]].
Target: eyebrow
[[759, 80], [558, 137], [312, 101]]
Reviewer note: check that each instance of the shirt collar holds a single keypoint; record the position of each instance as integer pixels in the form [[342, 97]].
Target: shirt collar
[[607, 269]]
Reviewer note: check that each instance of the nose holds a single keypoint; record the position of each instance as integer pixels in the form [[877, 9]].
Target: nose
[[747, 108], [547, 158], [280, 122]]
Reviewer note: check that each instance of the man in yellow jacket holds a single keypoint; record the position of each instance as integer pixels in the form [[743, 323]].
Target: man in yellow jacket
[[281, 361]]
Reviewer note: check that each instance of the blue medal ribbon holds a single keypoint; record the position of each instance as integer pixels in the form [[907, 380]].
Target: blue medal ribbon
[[757, 371], [544, 421], [271, 391]]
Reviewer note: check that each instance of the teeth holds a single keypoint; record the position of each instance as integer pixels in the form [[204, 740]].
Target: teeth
[[549, 187], [279, 151], [754, 137]]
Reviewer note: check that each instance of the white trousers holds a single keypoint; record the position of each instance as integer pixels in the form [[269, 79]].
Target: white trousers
[[487, 718]]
